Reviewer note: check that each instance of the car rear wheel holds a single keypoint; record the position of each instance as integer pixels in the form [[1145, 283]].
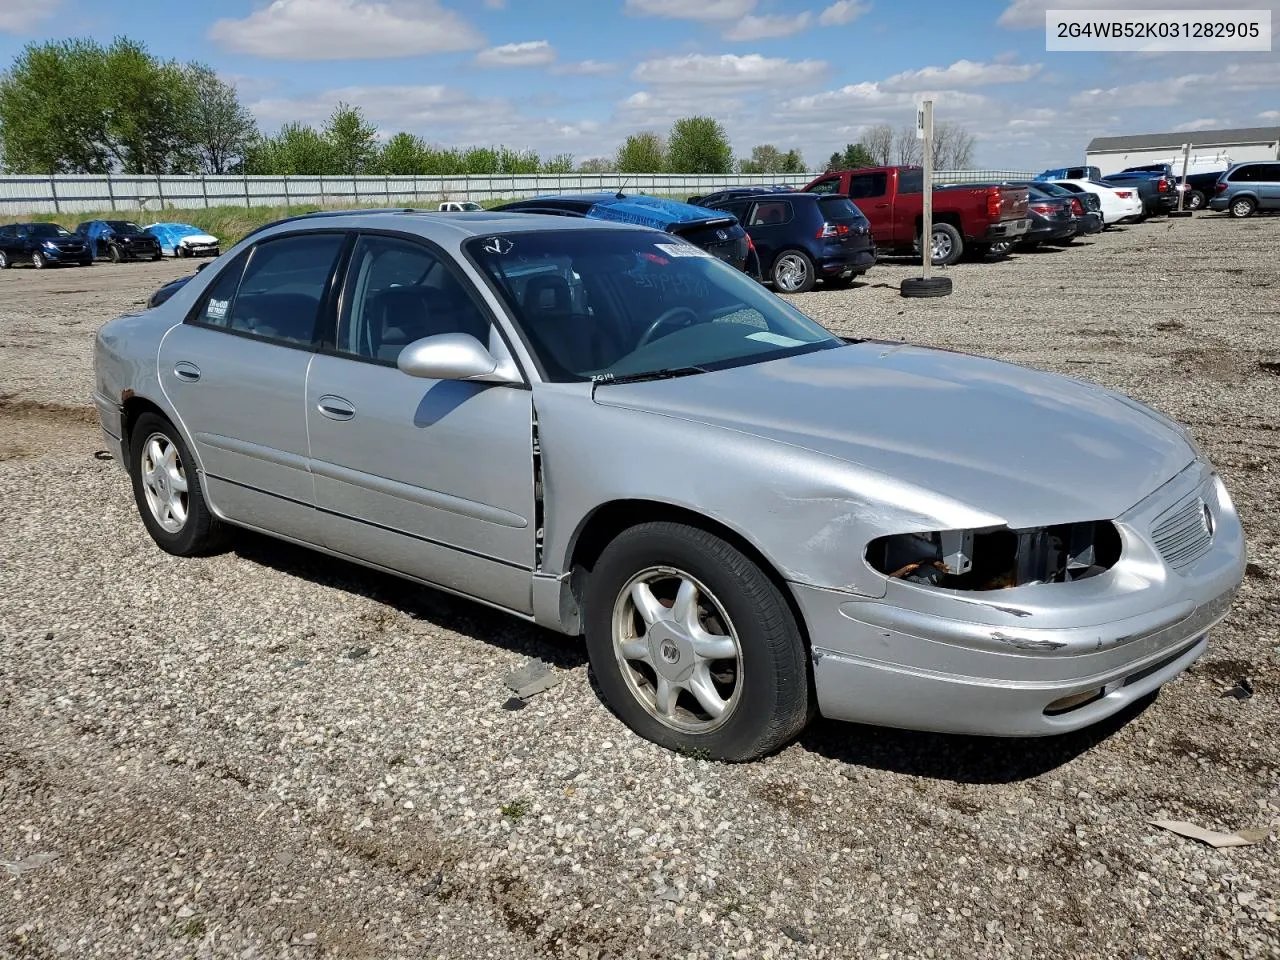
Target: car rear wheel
[[1243, 207], [4, 260], [167, 490], [693, 646], [1195, 200], [948, 245], [38, 261], [793, 272]]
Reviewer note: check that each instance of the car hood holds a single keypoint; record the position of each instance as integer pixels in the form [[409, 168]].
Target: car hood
[[1031, 448], [198, 238]]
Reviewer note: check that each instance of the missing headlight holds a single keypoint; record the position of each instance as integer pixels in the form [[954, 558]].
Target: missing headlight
[[998, 558]]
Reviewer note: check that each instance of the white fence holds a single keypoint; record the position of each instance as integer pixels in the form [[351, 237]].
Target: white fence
[[75, 193]]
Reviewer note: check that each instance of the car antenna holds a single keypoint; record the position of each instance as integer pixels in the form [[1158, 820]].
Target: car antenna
[[620, 195]]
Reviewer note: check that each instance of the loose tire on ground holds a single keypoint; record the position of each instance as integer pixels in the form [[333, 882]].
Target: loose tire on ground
[[918, 287], [197, 531], [745, 644]]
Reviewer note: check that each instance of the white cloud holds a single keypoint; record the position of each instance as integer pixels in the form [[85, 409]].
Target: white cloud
[[1269, 115], [1187, 88], [712, 10], [842, 12], [1206, 123], [648, 109], [584, 68], [532, 53], [1026, 14], [346, 30], [727, 71], [19, 17], [763, 28], [962, 73]]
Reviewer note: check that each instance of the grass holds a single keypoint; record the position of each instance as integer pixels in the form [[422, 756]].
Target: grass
[[516, 808], [228, 223]]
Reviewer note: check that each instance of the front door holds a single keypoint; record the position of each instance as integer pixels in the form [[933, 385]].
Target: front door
[[431, 478], [236, 374]]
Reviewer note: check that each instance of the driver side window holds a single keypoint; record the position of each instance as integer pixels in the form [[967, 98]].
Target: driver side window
[[399, 292]]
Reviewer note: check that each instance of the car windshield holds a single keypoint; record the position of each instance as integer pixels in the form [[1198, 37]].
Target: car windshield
[[46, 230], [599, 304], [123, 226]]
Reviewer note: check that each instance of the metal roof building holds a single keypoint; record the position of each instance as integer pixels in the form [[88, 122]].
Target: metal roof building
[[1112, 154]]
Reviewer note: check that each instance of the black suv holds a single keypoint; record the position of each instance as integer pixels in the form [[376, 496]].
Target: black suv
[[41, 245], [801, 238], [118, 240]]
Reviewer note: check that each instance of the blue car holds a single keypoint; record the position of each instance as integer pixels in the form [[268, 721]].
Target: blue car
[[1247, 188], [715, 231]]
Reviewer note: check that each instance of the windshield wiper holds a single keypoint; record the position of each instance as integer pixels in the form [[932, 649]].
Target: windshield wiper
[[666, 373]]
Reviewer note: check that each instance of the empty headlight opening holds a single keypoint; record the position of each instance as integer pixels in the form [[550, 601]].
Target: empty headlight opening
[[999, 558]]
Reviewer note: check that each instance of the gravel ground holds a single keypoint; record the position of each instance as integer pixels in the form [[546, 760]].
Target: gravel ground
[[269, 753]]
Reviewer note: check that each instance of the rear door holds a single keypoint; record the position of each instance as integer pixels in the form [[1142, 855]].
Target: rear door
[[870, 193], [433, 478], [772, 227], [236, 373], [1268, 186]]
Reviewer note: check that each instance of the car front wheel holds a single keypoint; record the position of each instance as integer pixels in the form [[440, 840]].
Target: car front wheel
[[693, 646], [4, 260], [167, 490], [1243, 207], [38, 261]]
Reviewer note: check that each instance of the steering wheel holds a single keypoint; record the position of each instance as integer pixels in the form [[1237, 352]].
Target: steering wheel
[[667, 317]]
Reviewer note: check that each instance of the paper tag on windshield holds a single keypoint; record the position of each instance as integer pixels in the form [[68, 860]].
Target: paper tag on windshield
[[777, 339], [683, 250]]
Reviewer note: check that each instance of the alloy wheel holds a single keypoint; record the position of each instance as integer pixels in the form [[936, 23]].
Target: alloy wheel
[[164, 482], [791, 272], [942, 246], [678, 650]]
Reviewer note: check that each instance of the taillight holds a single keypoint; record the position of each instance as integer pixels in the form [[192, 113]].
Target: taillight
[[1077, 207], [833, 230], [993, 203], [1163, 186], [1042, 208], [1220, 187], [1125, 194]]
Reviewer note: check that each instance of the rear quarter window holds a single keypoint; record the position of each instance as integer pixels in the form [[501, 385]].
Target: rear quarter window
[[839, 208]]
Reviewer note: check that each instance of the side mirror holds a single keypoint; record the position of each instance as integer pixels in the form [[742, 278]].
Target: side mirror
[[452, 356]]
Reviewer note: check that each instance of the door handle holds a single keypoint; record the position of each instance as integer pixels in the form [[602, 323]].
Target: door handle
[[336, 408], [186, 370]]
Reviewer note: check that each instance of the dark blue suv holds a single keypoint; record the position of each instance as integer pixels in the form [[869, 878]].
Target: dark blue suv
[[801, 238]]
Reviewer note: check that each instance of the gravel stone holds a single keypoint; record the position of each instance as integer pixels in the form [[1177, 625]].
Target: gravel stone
[[218, 782]]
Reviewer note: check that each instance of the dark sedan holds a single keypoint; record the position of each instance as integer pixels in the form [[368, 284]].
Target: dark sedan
[[41, 245], [802, 238], [712, 230]]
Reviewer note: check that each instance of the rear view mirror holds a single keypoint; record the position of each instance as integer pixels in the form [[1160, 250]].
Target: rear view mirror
[[451, 356]]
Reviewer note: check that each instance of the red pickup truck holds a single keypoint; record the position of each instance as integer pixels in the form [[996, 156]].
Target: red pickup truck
[[964, 218]]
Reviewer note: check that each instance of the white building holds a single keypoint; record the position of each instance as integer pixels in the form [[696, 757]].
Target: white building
[[1113, 154]]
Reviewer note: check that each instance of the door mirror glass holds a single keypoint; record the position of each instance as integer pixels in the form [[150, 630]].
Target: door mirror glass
[[450, 356]]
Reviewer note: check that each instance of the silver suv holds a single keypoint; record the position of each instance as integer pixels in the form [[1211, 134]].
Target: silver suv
[[1248, 187]]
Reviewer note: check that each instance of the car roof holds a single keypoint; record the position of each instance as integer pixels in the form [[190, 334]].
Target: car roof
[[436, 225]]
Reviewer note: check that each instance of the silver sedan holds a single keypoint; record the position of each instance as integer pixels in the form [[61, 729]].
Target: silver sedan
[[601, 429]]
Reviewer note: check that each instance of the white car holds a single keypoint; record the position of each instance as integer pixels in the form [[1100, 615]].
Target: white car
[[1119, 204], [459, 206]]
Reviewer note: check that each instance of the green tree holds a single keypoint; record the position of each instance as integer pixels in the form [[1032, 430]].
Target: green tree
[[150, 105], [598, 165], [765, 158], [478, 160], [53, 116], [642, 153], [297, 150], [518, 161], [855, 155], [353, 142], [792, 162], [699, 145], [560, 163], [221, 128], [404, 155]]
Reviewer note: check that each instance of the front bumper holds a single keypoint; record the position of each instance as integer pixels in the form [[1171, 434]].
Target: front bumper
[[1000, 662], [1008, 229]]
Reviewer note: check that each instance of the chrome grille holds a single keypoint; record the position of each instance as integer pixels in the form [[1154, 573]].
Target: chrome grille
[[1183, 534]]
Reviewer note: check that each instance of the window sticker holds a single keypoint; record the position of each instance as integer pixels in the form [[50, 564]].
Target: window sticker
[[217, 309], [777, 339], [683, 250], [499, 245]]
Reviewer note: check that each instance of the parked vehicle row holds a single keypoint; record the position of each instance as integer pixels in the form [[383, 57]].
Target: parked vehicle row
[[618, 435], [49, 244]]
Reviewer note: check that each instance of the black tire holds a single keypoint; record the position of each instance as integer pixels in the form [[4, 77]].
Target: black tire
[[793, 272], [4, 260], [919, 287], [1195, 200], [1242, 207], [157, 256], [772, 700], [945, 232], [201, 532], [38, 261], [114, 253], [181, 251]]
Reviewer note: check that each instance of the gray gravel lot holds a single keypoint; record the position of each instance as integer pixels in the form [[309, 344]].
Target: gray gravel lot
[[269, 753]]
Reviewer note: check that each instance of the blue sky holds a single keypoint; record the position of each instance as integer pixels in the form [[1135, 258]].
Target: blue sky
[[576, 76]]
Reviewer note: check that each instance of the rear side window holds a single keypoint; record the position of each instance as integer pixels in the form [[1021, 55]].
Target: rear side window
[[868, 185], [839, 208], [1247, 174], [771, 213], [214, 309], [911, 181], [1257, 173], [826, 186]]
